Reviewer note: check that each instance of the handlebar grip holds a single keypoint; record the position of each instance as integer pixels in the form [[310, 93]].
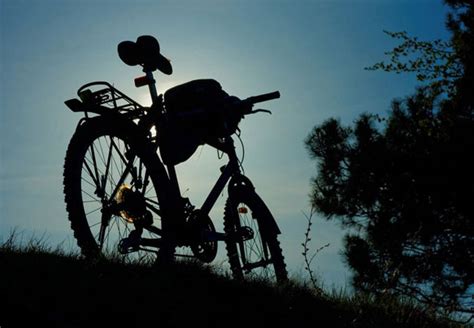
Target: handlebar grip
[[264, 97]]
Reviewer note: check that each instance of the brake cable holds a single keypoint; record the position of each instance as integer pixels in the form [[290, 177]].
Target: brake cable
[[241, 161]]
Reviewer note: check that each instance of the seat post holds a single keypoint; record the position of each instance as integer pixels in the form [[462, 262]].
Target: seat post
[[152, 86]]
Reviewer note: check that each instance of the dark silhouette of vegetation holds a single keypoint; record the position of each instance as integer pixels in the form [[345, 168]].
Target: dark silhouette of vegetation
[[308, 256], [403, 185], [46, 287]]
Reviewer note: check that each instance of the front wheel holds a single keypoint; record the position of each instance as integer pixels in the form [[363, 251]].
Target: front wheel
[[252, 244]]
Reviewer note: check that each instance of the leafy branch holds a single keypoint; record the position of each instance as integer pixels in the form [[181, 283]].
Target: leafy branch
[[434, 62]]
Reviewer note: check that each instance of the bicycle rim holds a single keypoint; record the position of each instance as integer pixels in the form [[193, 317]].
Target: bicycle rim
[[254, 251], [105, 167]]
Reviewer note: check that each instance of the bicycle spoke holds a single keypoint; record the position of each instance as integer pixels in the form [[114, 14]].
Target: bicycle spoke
[[256, 242], [103, 227], [139, 176], [124, 160], [95, 210], [253, 252], [94, 225], [89, 183], [114, 221], [91, 174], [145, 184], [118, 228], [87, 163], [91, 149], [101, 152], [116, 166], [151, 207], [107, 168], [92, 197], [120, 182], [108, 164]]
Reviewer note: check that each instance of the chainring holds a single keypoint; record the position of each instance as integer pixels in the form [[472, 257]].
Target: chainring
[[203, 246]]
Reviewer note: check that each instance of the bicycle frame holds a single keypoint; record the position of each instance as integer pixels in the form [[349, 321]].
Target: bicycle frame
[[229, 171], [226, 145]]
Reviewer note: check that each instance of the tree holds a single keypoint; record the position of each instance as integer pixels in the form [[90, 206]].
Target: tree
[[403, 186]]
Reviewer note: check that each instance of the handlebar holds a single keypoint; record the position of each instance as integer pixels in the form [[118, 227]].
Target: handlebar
[[263, 97], [244, 107]]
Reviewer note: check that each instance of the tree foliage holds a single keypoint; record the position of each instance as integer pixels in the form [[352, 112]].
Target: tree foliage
[[403, 186], [434, 62]]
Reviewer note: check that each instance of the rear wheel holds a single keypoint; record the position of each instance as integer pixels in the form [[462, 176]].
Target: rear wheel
[[252, 244], [112, 178]]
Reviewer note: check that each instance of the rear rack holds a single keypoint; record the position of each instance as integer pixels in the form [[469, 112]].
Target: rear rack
[[104, 100]]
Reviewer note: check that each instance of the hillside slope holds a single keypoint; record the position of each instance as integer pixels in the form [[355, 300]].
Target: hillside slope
[[41, 288]]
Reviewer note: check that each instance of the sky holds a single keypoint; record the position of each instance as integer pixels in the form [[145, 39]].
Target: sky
[[312, 51]]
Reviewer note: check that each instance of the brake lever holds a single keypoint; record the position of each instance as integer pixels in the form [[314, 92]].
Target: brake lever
[[255, 111]]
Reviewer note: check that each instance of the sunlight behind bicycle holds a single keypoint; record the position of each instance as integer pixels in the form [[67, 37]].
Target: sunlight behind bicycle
[[120, 184]]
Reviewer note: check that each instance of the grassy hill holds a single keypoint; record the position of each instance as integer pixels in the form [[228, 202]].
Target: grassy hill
[[39, 288]]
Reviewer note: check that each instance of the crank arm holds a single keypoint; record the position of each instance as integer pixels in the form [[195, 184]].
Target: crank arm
[[213, 236]]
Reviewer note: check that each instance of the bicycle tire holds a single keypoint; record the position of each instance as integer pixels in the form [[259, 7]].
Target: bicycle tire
[[265, 239], [122, 135]]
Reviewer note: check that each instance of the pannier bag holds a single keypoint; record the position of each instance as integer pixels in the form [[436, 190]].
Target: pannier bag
[[197, 112]]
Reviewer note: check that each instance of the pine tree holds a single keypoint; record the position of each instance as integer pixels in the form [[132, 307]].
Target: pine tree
[[403, 185]]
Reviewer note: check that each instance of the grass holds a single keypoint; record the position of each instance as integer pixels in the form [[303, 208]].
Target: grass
[[41, 286]]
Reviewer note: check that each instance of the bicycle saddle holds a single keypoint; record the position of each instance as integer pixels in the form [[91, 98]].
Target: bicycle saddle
[[146, 52]]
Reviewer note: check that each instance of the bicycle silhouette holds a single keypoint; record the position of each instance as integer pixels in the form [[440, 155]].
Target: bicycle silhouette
[[118, 194]]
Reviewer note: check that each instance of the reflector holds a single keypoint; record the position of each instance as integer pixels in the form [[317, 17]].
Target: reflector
[[141, 81], [243, 210]]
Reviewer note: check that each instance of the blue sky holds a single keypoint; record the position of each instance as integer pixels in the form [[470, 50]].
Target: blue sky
[[312, 51]]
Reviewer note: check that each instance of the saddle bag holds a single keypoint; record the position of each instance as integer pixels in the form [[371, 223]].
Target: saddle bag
[[197, 112]]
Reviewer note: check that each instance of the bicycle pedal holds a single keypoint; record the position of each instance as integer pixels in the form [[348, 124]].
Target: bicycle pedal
[[130, 244], [211, 236], [126, 247]]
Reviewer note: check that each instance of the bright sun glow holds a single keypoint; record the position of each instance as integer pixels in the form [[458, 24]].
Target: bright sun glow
[[144, 97]]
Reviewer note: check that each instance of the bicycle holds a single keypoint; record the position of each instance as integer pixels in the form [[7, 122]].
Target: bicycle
[[118, 194]]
